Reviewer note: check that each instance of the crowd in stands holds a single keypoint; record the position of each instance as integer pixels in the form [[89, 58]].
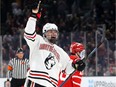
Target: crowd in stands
[[77, 20]]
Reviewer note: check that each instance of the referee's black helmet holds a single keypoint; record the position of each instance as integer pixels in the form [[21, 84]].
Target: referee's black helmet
[[20, 50]]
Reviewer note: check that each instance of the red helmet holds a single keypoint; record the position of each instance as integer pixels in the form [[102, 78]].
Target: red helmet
[[76, 47]]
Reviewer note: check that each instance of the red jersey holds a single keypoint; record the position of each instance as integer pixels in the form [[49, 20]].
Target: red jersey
[[74, 80]]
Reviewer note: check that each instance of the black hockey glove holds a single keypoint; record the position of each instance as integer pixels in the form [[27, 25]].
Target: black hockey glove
[[36, 10], [32, 4], [79, 65]]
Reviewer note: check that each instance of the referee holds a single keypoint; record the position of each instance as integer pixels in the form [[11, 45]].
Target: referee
[[17, 69]]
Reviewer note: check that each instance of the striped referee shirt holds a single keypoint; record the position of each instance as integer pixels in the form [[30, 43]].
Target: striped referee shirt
[[18, 68]]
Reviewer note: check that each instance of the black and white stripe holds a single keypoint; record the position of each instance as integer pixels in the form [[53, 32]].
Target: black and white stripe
[[20, 67], [43, 76], [30, 36]]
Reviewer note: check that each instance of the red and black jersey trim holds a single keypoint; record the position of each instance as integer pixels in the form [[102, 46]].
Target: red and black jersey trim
[[30, 36], [43, 76]]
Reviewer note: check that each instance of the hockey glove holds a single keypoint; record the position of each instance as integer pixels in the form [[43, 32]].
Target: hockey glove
[[36, 15], [32, 4], [35, 11], [78, 65]]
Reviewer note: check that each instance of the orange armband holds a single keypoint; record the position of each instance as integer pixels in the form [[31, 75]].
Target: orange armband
[[9, 68]]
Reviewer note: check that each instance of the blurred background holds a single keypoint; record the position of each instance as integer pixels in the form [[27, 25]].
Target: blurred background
[[84, 21]]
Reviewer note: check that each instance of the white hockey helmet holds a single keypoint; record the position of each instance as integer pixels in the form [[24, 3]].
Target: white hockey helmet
[[49, 26]]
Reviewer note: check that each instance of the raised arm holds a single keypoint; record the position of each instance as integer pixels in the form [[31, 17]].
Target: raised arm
[[31, 23]]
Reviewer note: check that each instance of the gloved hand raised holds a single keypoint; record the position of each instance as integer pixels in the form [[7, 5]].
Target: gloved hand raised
[[78, 65], [31, 4], [35, 10]]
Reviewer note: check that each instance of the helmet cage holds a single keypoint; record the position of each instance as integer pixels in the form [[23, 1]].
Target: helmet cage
[[77, 48]]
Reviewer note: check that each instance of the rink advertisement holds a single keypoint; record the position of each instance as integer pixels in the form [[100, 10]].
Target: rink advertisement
[[87, 81], [98, 82]]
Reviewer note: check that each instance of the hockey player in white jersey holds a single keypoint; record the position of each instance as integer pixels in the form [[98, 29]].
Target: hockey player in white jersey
[[46, 58]]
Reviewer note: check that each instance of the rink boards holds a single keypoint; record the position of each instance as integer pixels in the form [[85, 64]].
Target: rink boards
[[88, 81]]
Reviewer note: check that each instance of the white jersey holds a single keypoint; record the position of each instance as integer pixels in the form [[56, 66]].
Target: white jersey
[[46, 60]]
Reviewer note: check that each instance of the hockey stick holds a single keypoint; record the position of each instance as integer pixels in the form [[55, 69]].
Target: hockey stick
[[93, 51], [90, 54]]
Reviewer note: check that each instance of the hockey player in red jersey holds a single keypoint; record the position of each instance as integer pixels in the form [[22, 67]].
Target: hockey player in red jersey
[[77, 53]]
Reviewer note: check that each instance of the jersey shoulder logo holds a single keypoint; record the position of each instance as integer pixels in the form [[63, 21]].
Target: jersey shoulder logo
[[49, 61]]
